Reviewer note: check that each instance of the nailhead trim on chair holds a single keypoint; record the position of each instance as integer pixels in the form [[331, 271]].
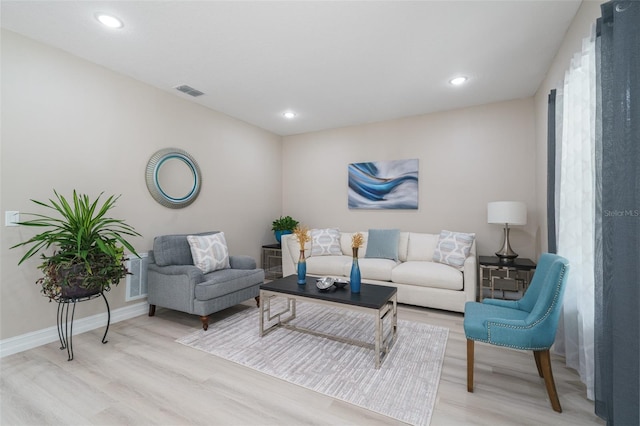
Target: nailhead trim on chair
[[555, 300]]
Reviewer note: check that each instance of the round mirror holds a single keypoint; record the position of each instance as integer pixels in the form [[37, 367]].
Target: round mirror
[[173, 178]]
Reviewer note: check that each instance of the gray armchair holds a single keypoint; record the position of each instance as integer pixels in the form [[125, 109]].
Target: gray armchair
[[175, 283]]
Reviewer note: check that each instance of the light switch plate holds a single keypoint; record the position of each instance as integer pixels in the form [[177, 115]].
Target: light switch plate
[[11, 218]]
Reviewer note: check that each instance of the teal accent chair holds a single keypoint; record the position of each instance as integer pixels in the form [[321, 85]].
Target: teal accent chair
[[528, 324]]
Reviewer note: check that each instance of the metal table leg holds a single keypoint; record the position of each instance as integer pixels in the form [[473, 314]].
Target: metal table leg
[[65, 327]]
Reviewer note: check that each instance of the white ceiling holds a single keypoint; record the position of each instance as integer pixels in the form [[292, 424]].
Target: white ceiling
[[335, 63]]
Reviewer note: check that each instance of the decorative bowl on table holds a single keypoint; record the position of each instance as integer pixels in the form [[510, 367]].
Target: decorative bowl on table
[[324, 283], [339, 283]]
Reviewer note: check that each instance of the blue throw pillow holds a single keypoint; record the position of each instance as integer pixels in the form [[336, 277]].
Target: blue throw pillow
[[383, 243]]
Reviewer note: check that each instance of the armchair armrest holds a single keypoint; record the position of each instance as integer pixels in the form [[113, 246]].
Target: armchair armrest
[[512, 304], [195, 275], [242, 262], [507, 323], [173, 286], [520, 334]]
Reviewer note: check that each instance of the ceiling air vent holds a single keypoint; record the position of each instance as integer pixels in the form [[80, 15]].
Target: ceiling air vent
[[189, 90]]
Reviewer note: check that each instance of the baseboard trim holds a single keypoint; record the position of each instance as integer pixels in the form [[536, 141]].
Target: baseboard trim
[[31, 340]]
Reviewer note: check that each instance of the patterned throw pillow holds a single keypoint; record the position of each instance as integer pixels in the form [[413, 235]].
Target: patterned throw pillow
[[453, 248], [325, 242], [209, 252]]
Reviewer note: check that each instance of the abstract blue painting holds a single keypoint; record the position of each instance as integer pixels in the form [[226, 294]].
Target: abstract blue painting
[[384, 185]]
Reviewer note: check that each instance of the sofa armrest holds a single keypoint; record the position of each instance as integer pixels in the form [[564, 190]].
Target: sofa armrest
[[470, 272], [288, 264], [242, 262]]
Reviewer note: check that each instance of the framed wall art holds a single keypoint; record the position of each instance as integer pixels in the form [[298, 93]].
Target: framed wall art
[[384, 185]]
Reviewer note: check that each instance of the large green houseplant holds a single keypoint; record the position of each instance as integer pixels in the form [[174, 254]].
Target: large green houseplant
[[88, 247], [283, 225]]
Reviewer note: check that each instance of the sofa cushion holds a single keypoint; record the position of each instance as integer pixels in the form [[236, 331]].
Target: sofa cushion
[[428, 274], [453, 248], [328, 265], [422, 246], [174, 249], [372, 269], [226, 281], [325, 242], [403, 246], [383, 244], [209, 252]]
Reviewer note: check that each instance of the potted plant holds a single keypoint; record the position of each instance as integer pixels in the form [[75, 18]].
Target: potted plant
[[88, 247], [282, 226]]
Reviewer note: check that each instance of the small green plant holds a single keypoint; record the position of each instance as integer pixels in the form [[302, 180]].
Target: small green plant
[[88, 246], [286, 223]]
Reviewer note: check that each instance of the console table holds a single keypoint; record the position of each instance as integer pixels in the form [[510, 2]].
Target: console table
[[65, 324], [498, 276], [272, 261]]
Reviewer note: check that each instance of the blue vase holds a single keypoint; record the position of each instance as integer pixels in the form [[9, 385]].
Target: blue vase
[[302, 269], [355, 273]]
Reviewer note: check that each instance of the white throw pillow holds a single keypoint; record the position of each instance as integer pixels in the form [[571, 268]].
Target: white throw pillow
[[325, 242], [209, 252], [453, 248]]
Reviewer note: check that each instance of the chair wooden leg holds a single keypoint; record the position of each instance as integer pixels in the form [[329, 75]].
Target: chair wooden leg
[[536, 356], [545, 366], [257, 301], [470, 348], [205, 322], [152, 310]]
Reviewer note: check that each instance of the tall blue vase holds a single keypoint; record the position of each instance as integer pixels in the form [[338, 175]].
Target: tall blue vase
[[355, 273], [302, 269]]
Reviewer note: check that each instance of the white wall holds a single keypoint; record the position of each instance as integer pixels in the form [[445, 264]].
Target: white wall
[[580, 28], [467, 158], [70, 124]]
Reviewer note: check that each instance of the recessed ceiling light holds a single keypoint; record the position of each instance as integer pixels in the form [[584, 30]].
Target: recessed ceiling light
[[289, 115], [458, 81], [109, 20]]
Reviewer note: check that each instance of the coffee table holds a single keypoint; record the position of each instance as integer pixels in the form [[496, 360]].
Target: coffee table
[[379, 300]]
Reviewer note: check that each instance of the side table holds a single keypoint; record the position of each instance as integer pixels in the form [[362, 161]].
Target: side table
[[512, 277], [272, 261]]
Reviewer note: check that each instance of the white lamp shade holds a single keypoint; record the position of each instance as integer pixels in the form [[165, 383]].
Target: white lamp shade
[[511, 212]]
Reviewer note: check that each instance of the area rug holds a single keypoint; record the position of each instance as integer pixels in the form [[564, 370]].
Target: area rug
[[404, 387]]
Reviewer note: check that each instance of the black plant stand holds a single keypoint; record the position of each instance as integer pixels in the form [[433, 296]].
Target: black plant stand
[[65, 328]]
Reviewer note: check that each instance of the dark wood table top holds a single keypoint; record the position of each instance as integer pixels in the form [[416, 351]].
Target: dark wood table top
[[372, 296], [517, 263]]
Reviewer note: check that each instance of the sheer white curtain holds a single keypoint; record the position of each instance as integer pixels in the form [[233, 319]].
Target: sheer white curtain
[[575, 337]]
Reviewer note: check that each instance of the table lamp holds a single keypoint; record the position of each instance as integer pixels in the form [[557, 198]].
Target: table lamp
[[507, 213]]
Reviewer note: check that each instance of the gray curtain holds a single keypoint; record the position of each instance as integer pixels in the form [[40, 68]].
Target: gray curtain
[[551, 173], [617, 321]]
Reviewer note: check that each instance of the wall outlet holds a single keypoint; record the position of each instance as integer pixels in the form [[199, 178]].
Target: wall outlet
[[11, 218]]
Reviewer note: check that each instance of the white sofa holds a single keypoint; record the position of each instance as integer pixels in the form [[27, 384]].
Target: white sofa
[[420, 281]]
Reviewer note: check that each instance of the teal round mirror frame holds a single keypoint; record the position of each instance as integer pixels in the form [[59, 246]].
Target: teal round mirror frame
[[154, 178]]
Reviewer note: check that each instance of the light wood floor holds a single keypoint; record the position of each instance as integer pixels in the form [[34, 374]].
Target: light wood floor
[[142, 376]]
